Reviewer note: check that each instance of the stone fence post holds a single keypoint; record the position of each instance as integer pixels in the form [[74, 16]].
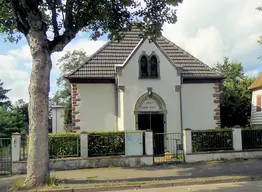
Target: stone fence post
[[148, 142], [16, 146], [84, 144], [187, 139], [237, 139]]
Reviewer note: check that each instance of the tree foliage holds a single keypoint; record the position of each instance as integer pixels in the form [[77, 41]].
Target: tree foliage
[[4, 100], [235, 96], [66, 18], [69, 62], [12, 118], [11, 121]]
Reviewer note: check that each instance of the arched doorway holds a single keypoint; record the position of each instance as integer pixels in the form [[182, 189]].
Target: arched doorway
[[150, 112]]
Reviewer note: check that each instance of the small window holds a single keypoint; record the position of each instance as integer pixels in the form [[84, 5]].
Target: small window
[[143, 67], [153, 66], [149, 67], [259, 103]]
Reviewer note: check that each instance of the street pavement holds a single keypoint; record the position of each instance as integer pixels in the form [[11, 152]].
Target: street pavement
[[255, 186], [196, 173]]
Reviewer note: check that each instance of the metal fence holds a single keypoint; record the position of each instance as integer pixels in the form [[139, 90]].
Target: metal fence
[[24, 148], [64, 146], [5, 156], [168, 148], [106, 144], [251, 138], [212, 140]]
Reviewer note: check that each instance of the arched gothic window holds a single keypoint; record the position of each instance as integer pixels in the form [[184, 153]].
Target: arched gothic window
[[153, 67], [148, 66], [143, 67]]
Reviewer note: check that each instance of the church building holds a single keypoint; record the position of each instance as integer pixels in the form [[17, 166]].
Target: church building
[[137, 84]]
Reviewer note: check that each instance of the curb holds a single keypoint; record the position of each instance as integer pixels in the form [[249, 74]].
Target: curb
[[149, 186]]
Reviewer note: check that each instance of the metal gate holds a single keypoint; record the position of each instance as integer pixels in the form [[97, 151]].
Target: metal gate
[[5, 156], [168, 148]]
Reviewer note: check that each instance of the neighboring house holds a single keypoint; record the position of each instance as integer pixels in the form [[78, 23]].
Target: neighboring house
[[135, 84], [58, 119], [256, 106]]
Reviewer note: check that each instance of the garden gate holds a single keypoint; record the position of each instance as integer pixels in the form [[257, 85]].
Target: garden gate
[[5, 156], [168, 148]]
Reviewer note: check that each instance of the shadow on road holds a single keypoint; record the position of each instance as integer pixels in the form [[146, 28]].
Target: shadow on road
[[250, 168]]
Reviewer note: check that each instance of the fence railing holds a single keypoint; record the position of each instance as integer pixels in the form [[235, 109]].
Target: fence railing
[[106, 144], [212, 140], [5, 156], [64, 146], [251, 138], [24, 148]]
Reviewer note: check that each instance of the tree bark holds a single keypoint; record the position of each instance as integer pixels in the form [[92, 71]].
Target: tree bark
[[38, 156]]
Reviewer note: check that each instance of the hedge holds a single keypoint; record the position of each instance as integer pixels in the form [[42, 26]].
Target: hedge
[[99, 144], [252, 138], [64, 145], [212, 140], [106, 143]]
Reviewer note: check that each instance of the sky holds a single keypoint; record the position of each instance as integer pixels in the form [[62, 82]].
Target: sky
[[209, 30]]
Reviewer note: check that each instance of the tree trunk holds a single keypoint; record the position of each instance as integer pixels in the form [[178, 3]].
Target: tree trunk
[[38, 157]]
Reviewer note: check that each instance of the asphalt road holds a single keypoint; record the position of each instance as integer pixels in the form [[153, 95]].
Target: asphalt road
[[255, 186]]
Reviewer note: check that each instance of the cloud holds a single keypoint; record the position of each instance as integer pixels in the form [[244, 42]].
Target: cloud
[[252, 73], [21, 53], [13, 78], [16, 66], [213, 29]]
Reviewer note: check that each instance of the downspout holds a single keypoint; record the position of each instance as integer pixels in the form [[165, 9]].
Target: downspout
[[56, 120], [116, 102], [181, 106]]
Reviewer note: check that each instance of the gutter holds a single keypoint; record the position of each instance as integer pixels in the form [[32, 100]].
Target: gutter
[[204, 77]]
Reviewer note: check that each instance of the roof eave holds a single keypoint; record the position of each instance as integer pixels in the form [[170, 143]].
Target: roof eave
[[203, 77]]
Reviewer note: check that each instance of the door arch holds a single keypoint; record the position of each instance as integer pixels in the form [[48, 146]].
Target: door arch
[[150, 106], [150, 103], [150, 112]]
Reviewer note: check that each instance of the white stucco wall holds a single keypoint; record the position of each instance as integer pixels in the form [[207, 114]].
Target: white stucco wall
[[164, 87], [97, 107], [256, 117], [198, 106], [58, 119]]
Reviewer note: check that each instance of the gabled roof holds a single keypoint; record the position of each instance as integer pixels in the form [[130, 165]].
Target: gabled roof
[[102, 64], [257, 83]]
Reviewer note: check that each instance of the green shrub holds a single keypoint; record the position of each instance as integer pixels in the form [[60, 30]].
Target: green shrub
[[64, 145], [106, 143], [99, 144], [252, 138], [212, 140]]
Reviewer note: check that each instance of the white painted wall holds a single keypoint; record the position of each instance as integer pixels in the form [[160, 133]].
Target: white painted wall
[[164, 87], [198, 106], [58, 119], [97, 107], [256, 117]]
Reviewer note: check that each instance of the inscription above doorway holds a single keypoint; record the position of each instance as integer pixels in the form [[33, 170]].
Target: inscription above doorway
[[150, 104]]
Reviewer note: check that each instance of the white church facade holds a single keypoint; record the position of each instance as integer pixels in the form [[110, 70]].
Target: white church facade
[[135, 84]]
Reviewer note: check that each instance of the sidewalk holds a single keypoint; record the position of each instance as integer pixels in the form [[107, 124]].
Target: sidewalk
[[249, 169]]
